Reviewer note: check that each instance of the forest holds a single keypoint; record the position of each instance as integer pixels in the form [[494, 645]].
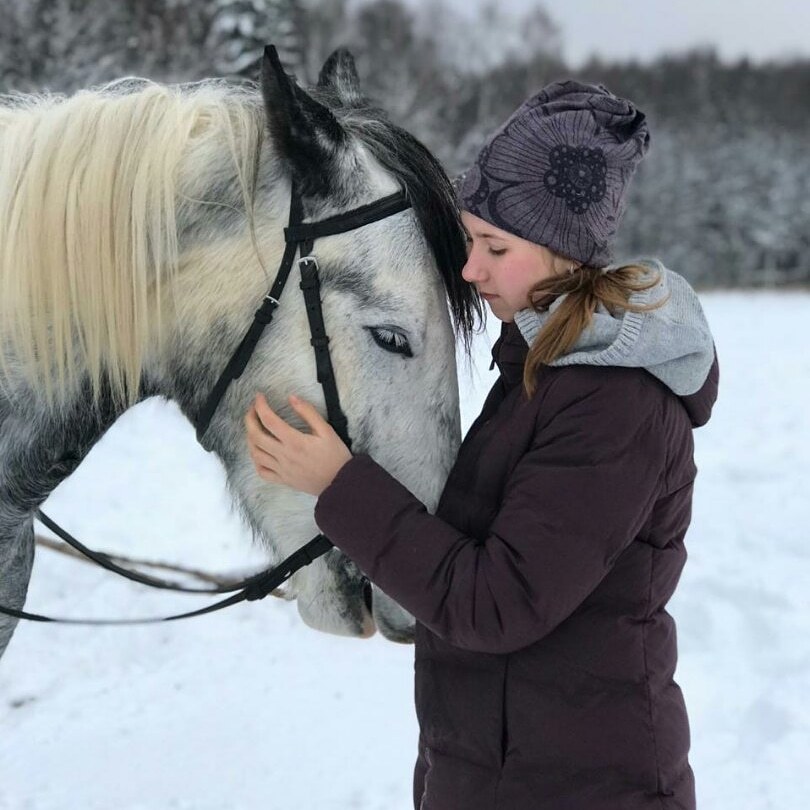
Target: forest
[[722, 196]]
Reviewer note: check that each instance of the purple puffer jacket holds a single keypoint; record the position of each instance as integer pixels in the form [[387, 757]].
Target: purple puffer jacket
[[544, 653]]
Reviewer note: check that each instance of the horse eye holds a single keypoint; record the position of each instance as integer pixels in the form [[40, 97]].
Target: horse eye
[[391, 340]]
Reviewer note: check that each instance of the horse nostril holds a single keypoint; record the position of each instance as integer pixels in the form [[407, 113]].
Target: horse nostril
[[367, 594]]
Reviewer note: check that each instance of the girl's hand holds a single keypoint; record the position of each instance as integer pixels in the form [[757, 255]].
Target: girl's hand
[[307, 462]]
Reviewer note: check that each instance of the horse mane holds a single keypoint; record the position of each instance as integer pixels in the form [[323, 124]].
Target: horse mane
[[89, 186]]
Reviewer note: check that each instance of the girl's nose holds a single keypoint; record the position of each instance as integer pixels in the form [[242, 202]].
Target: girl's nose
[[473, 270]]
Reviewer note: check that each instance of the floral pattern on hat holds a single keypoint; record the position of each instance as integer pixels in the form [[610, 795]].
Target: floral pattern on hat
[[577, 174]]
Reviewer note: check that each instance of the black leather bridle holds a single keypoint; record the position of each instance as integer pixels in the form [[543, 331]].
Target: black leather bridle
[[299, 240]]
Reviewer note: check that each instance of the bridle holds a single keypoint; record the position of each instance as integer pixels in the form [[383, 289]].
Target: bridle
[[299, 240]]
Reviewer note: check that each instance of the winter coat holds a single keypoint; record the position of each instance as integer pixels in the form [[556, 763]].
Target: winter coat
[[544, 652]]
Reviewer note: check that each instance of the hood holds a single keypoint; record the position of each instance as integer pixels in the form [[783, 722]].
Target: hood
[[673, 342]]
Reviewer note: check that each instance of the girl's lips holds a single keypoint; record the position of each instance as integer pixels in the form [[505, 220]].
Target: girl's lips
[[488, 296]]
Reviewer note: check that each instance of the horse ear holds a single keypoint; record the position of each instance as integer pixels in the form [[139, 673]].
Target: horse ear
[[304, 132], [340, 73]]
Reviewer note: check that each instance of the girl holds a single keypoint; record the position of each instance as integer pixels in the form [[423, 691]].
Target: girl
[[544, 653]]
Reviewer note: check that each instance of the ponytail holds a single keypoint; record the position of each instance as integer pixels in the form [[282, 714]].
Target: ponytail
[[584, 289]]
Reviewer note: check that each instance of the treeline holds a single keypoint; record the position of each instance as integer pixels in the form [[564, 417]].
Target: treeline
[[722, 196]]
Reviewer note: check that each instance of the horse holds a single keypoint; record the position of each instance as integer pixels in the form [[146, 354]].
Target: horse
[[139, 223]]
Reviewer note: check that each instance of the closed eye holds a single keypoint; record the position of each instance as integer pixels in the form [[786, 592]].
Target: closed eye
[[391, 340]]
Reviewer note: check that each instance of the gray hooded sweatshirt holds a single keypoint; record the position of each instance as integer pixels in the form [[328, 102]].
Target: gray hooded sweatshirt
[[672, 342]]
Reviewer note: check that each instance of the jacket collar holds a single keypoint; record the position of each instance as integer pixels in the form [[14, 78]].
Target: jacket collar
[[509, 353], [511, 348]]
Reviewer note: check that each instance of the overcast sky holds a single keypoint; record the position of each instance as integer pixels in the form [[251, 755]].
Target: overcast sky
[[762, 29]]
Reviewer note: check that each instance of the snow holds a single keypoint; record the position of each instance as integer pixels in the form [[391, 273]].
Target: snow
[[248, 708]]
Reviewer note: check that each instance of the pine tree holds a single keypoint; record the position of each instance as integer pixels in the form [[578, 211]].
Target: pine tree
[[241, 29]]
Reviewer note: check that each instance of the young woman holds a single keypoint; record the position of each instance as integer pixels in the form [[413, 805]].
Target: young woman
[[544, 653]]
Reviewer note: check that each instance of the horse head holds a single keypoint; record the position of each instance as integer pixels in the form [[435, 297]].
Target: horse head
[[385, 293]]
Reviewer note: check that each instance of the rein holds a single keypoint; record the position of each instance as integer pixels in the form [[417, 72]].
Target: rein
[[299, 239]]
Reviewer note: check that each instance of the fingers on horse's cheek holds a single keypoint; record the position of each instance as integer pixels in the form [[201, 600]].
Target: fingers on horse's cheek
[[254, 431], [253, 417], [260, 460], [265, 418]]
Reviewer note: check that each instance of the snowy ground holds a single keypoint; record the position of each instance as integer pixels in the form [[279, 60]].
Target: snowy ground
[[249, 709]]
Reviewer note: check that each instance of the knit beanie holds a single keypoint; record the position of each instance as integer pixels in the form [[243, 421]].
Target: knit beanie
[[557, 171]]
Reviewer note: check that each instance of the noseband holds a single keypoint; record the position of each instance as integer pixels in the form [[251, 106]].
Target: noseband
[[299, 240]]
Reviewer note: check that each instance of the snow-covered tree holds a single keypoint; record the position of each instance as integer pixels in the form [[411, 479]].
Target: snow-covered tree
[[67, 44], [241, 29]]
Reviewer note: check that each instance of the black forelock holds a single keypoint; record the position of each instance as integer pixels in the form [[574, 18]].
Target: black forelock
[[429, 190]]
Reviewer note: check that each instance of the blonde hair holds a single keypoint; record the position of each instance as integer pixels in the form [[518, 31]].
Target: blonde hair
[[89, 189], [584, 289]]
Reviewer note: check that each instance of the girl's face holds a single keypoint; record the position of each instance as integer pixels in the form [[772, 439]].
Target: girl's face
[[504, 267]]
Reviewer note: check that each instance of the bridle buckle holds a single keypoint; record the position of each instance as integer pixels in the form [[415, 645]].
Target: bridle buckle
[[306, 260]]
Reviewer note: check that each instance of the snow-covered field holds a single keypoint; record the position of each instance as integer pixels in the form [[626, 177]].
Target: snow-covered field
[[250, 709]]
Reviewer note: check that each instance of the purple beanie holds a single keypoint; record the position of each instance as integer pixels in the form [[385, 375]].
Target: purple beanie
[[557, 171]]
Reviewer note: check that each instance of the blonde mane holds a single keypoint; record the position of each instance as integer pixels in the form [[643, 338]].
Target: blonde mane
[[89, 192]]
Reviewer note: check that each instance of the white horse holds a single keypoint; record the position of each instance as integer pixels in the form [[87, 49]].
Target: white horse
[[140, 226]]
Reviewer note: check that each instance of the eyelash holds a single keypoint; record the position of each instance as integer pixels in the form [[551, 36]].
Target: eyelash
[[492, 251], [391, 340]]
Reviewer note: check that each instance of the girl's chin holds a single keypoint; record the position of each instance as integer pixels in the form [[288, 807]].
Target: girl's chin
[[500, 311]]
